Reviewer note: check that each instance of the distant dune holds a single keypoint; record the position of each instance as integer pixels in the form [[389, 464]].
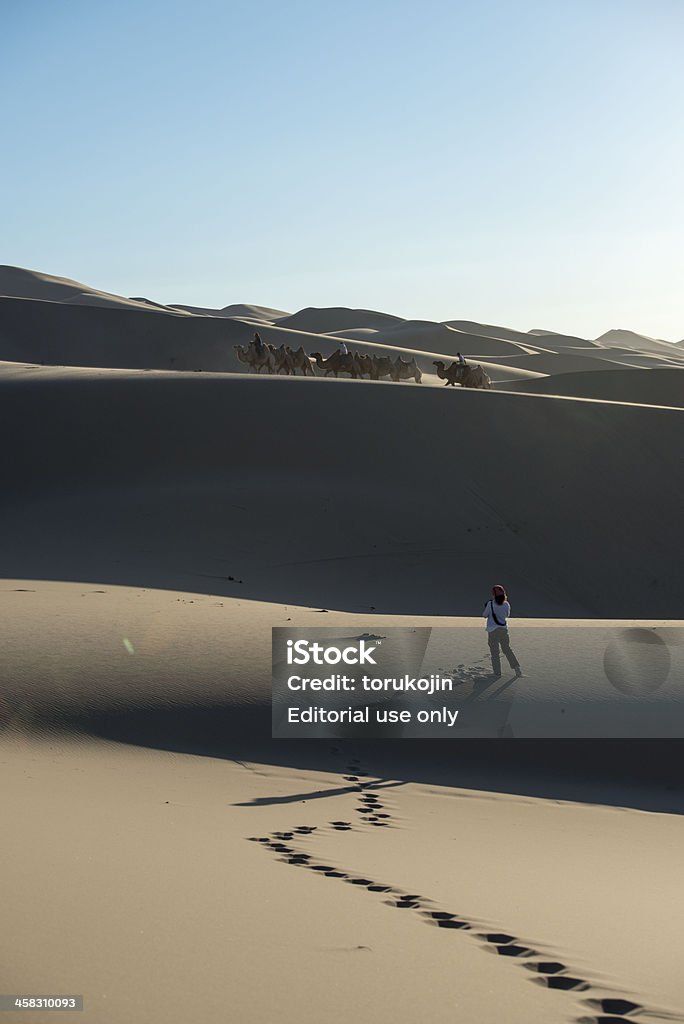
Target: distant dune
[[30, 284], [630, 339], [650, 387], [53, 333], [523, 338], [331, 320], [237, 310]]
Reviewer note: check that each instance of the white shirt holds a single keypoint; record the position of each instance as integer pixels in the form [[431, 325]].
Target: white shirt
[[502, 611]]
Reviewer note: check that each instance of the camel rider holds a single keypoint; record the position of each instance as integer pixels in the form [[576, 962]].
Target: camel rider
[[258, 343], [460, 359], [496, 611], [344, 349]]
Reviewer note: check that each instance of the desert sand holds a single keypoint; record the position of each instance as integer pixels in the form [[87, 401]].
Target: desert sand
[[163, 510]]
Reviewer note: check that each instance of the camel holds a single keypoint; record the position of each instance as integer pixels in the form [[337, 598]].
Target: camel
[[255, 360], [451, 374], [382, 367], [475, 377], [364, 364], [282, 360], [337, 363], [300, 361], [464, 374], [406, 370]]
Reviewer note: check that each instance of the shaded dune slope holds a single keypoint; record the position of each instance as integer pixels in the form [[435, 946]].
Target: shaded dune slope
[[354, 496], [53, 333], [650, 387], [56, 333]]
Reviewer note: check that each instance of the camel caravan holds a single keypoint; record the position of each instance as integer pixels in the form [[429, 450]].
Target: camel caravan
[[258, 356]]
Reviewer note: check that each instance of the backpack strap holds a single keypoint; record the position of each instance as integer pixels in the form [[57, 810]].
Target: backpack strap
[[494, 615]]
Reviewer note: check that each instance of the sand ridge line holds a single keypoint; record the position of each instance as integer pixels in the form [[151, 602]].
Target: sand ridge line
[[607, 1008]]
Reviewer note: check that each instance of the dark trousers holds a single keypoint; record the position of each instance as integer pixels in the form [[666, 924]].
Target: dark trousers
[[498, 638]]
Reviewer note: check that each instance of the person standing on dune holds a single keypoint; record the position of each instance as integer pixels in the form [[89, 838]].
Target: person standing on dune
[[496, 611]]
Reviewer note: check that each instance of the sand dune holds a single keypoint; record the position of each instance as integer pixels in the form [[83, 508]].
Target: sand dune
[[439, 513], [193, 835], [630, 339], [566, 360], [190, 916], [158, 522], [650, 387], [60, 333], [238, 310], [422, 334], [39, 331], [331, 320], [29, 284], [506, 334]]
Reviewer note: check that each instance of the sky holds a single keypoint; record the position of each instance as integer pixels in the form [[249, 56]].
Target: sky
[[513, 162]]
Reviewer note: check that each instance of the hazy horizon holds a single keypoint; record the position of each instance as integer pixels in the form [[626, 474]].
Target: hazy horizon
[[507, 164]]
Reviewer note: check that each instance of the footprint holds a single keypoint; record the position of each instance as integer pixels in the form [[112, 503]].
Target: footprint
[[605, 1020], [515, 950], [462, 925], [564, 982], [500, 938], [621, 1007], [547, 967]]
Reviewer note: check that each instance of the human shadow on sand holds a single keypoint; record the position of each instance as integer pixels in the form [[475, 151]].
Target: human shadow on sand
[[314, 794], [644, 774]]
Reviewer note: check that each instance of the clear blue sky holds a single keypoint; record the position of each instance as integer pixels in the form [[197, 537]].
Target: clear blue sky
[[509, 162]]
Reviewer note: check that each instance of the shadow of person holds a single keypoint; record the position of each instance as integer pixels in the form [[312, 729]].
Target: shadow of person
[[479, 687], [504, 686]]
